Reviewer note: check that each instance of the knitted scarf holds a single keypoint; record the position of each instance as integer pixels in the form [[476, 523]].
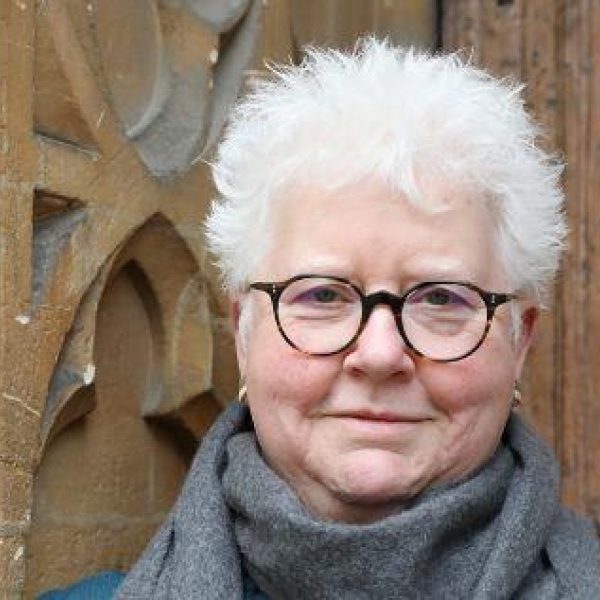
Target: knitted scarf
[[500, 534]]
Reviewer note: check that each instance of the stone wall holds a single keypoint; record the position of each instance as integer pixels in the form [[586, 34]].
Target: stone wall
[[114, 338]]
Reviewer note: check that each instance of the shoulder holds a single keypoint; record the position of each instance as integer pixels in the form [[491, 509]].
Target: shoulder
[[574, 551], [574, 533], [98, 587]]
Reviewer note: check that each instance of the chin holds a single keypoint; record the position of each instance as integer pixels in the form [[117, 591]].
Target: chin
[[376, 481], [365, 506], [374, 492]]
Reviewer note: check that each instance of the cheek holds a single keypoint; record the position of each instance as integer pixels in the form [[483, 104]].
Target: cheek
[[477, 384], [285, 390], [474, 399], [278, 377]]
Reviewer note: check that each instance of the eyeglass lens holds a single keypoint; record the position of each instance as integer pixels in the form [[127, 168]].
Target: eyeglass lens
[[442, 321]]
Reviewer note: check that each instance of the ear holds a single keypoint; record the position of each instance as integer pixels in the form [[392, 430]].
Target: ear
[[240, 342], [529, 319]]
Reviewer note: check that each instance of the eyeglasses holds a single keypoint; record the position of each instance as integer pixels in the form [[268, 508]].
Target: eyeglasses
[[441, 320]]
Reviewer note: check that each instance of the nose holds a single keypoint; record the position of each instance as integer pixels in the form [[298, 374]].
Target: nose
[[380, 352]]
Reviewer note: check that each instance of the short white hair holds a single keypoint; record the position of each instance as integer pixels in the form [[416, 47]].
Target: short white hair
[[389, 112]]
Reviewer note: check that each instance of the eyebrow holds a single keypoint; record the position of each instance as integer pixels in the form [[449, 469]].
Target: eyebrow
[[449, 269], [411, 274], [328, 267]]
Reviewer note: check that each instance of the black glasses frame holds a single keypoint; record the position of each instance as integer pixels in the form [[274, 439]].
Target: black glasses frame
[[492, 301]]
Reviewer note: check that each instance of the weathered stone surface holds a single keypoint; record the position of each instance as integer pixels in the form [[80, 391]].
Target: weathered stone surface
[[19, 424], [84, 223], [219, 15], [131, 51], [83, 546], [16, 485], [51, 234], [56, 108], [110, 471], [12, 564], [108, 306], [230, 70]]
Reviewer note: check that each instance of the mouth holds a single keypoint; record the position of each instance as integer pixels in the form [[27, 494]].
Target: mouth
[[381, 417], [378, 428]]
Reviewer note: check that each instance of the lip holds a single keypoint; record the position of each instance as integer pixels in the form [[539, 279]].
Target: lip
[[379, 426], [380, 417]]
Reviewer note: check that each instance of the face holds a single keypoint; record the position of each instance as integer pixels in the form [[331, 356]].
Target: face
[[358, 434]]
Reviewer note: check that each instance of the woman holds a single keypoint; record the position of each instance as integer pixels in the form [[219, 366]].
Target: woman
[[387, 231]]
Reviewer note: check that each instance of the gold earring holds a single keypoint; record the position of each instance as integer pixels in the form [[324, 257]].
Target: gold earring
[[517, 396], [242, 394]]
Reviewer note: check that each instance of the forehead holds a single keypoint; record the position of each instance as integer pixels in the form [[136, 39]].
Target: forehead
[[369, 231]]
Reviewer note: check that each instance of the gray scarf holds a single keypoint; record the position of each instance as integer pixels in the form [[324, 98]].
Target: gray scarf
[[500, 534]]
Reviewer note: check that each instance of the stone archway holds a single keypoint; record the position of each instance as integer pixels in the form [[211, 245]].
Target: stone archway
[[129, 398]]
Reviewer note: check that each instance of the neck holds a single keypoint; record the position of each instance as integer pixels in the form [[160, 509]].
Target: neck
[[333, 506]]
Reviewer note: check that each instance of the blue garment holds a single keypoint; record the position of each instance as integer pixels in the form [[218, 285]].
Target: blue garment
[[98, 587], [104, 585]]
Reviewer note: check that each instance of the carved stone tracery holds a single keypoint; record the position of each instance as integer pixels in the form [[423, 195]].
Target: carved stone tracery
[[127, 98], [114, 341]]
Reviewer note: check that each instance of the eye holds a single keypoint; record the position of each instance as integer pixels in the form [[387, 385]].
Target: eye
[[320, 295], [325, 294], [448, 296], [438, 297]]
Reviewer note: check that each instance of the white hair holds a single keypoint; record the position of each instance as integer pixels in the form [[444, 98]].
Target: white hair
[[393, 113]]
